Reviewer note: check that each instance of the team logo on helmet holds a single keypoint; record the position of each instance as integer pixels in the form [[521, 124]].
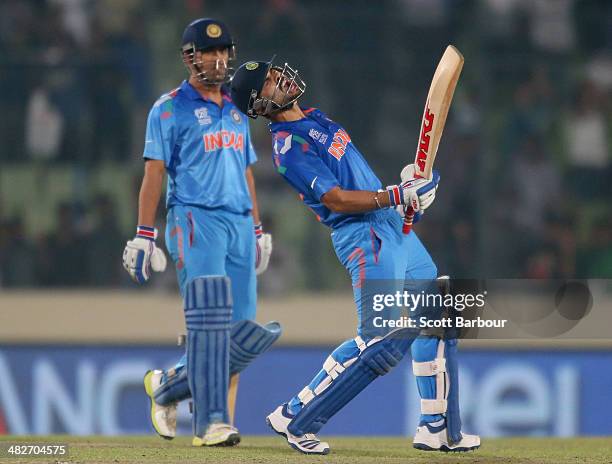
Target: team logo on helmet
[[252, 66], [213, 30], [236, 116]]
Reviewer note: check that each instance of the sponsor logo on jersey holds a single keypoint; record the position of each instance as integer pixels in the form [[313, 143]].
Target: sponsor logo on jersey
[[223, 139], [203, 116], [339, 142], [236, 116], [423, 153], [319, 136]]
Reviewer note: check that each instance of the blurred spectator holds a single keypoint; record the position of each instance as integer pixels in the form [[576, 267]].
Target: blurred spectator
[[532, 111], [17, 255], [551, 25], [104, 244], [595, 259], [64, 251], [44, 126], [537, 185], [107, 84], [75, 19], [588, 170]]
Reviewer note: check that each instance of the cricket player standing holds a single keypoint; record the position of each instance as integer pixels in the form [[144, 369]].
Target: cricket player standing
[[201, 140], [316, 156]]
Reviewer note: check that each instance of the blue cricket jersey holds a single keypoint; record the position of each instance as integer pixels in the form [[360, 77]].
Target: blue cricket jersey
[[206, 150], [315, 155]]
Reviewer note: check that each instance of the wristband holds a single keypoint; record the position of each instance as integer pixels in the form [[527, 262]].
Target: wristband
[[150, 233], [395, 195], [258, 230]]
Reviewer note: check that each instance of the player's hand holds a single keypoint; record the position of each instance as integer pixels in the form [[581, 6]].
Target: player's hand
[[141, 255], [264, 249], [402, 210], [417, 193]]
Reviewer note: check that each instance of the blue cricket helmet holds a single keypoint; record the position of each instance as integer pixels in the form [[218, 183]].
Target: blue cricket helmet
[[204, 34], [248, 81]]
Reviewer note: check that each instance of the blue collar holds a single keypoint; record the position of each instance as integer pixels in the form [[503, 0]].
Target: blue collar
[[193, 94], [276, 126]]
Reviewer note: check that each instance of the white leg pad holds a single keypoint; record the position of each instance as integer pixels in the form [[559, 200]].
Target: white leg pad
[[334, 369], [436, 367]]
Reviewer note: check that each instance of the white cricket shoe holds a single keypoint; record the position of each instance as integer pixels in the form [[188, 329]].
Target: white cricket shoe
[[308, 444], [432, 438], [163, 418], [218, 434]]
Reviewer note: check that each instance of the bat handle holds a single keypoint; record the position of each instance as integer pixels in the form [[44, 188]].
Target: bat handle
[[408, 217]]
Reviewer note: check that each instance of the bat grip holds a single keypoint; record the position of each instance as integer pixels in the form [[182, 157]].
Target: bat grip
[[408, 217]]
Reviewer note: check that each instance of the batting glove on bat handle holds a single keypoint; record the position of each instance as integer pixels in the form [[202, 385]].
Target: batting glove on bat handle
[[426, 195], [408, 218]]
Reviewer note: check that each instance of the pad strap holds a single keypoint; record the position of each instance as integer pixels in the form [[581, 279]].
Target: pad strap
[[306, 395], [429, 368], [436, 406]]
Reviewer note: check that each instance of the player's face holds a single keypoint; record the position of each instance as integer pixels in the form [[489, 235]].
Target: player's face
[[212, 62], [278, 88]]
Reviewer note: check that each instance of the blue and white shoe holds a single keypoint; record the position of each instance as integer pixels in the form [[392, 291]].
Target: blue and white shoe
[[433, 437], [163, 418], [308, 444]]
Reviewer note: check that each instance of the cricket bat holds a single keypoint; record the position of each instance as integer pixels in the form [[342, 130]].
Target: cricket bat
[[434, 117]]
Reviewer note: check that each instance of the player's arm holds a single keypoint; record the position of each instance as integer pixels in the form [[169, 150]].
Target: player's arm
[[263, 241], [301, 166], [251, 184], [141, 255], [418, 193], [150, 191], [354, 201]]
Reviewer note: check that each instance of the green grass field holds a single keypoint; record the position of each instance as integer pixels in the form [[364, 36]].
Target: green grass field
[[344, 450]]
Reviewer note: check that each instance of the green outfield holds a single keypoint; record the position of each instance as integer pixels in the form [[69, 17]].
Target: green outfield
[[344, 450]]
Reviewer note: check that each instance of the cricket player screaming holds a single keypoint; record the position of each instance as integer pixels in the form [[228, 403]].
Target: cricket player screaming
[[316, 156]]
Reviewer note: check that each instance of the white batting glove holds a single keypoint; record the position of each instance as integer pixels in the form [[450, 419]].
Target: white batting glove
[[264, 249], [141, 255], [416, 193]]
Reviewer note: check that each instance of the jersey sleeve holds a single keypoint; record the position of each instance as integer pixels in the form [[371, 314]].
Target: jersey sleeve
[[251, 156], [297, 161], [160, 136]]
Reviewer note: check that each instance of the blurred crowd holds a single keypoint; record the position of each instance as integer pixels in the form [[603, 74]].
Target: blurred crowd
[[526, 167]]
